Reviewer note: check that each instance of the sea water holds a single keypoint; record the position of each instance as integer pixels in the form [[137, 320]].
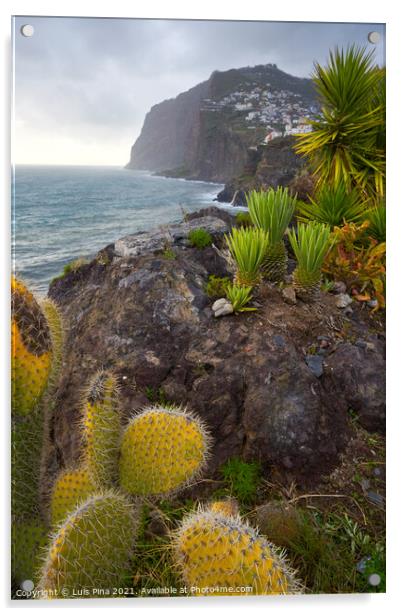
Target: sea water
[[63, 213]]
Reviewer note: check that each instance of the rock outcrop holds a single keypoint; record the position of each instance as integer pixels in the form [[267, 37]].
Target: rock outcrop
[[272, 165], [147, 316]]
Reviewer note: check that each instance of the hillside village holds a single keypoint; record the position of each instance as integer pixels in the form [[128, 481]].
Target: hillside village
[[281, 112]]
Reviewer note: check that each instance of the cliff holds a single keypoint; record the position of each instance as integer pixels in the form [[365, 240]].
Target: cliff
[[205, 133]]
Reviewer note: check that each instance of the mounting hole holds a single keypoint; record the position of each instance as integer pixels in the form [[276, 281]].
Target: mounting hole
[[27, 30], [374, 579], [374, 38], [27, 585]]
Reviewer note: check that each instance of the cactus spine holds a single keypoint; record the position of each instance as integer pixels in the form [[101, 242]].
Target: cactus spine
[[218, 554], [31, 350], [163, 449], [71, 488], [92, 548], [36, 357], [102, 429]]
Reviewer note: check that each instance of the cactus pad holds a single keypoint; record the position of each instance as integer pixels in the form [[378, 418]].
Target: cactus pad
[[26, 447], [31, 350], [71, 488], [227, 507], [27, 540], [101, 429], [163, 449], [220, 554], [92, 548]]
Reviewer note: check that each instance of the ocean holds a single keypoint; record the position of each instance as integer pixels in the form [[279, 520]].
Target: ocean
[[64, 213]]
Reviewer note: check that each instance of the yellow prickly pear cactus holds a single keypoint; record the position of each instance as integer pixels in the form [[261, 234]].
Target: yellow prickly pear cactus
[[220, 554], [162, 450], [227, 507], [71, 488], [92, 548], [102, 429], [27, 539], [31, 350]]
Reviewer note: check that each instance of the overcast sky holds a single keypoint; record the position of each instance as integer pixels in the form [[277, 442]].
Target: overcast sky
[[83, 86]]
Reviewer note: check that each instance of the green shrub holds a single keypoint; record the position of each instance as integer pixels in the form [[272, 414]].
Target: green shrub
[[248, 247], [73, 266], [200, 238], [239, 297], [243, 219], [377, 219], [216, 286], [334, 206], [243, 479]]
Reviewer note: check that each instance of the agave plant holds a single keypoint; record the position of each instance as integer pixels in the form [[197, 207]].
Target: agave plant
[[310, 245], [334, 206], [272, 211], [377, 219], [248, 247], [348, 137], [239, 297]]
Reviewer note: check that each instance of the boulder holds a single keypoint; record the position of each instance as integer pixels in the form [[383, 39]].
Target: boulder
[[149, 319]]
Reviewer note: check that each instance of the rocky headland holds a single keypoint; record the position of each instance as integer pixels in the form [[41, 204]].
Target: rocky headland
[[282, 385]]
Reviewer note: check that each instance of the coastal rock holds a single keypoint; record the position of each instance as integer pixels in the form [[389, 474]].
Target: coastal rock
[[222, 307], [358, 377], [154, 241], [149, 319], [272, 165]]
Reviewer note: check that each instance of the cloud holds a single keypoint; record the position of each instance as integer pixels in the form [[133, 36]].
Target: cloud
[[93, 80]]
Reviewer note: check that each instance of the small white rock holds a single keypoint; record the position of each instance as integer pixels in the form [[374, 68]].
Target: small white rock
[[219, 303], [226, 309], [343, 300]]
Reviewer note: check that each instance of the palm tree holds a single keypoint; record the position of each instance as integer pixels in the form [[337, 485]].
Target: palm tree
[[348, 137]]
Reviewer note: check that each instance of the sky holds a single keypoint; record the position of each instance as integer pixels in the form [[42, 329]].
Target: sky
[[82, 86]]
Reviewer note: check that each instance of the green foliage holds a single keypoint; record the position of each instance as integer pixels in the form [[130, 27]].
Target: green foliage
[[169, 253], [271, 211], [335, 205], [243, 478], [243, 219], [348, 137], [239, 297], [216, 286], [156, 395], [377, 219], [71, 267], [200, 238], [247, 247], [310, 244], [360, 266]]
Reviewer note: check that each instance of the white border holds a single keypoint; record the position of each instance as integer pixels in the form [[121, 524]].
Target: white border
[[291, 10]]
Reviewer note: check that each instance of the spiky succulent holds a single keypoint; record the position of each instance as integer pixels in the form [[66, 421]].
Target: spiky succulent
[[31, 350], [70, 488], [247, 247], [272, 211], [310, 244], [163, 449], [333, 206], [240, 297], [92, 547], [218, 553], [101, 429], [27, 541]]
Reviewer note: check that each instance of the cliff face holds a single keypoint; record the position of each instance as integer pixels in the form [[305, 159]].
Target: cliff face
[[204, 133]]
